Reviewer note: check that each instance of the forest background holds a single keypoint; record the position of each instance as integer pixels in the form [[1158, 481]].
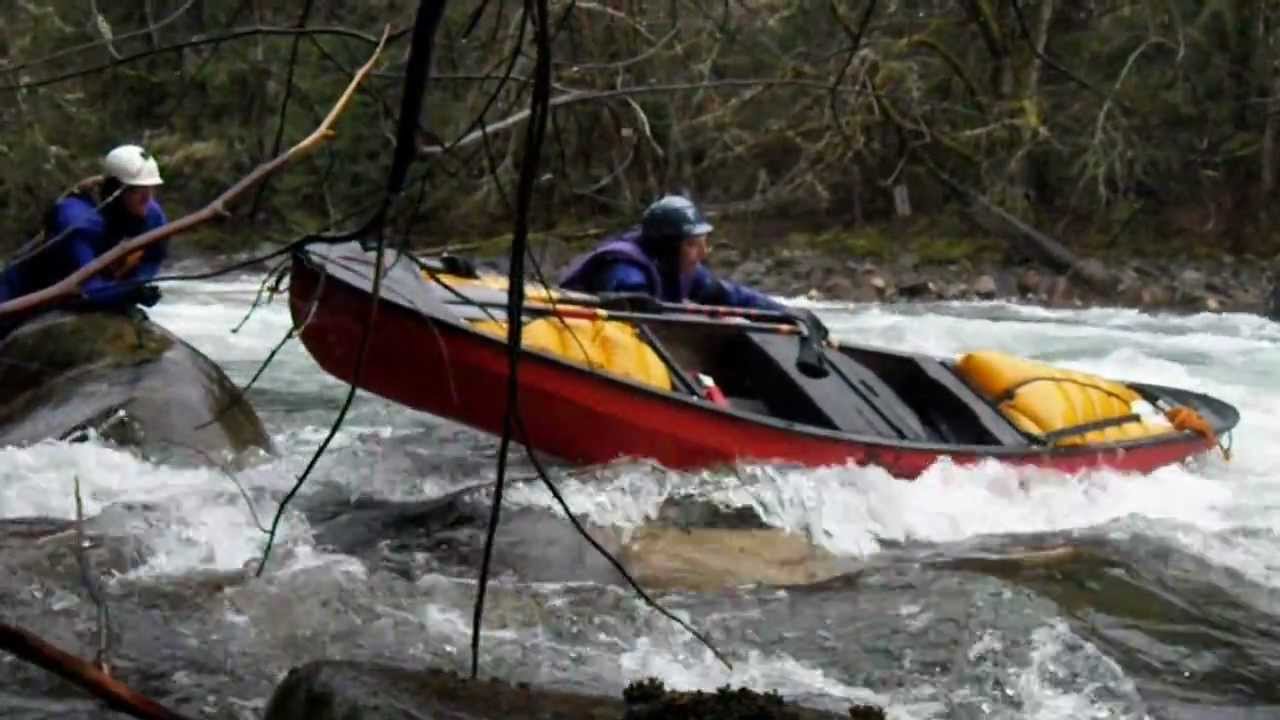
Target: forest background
[[1142, 135]]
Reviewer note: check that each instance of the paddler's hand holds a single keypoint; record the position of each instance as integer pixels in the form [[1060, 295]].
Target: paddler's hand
[[126, 265], [147, 295]]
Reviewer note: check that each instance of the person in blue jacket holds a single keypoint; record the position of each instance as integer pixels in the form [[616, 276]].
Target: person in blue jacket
[[661, 257], [78, 230]]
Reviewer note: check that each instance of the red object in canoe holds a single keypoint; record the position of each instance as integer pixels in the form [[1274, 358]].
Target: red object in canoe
[[423, 354]]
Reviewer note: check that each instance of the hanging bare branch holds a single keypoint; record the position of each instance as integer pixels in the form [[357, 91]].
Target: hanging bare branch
[[581, 96], [67, 52], [228, 36], [103, 659]]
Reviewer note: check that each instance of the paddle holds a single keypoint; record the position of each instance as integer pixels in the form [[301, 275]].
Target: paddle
[[811, 361], [596, 313], [804, 323]]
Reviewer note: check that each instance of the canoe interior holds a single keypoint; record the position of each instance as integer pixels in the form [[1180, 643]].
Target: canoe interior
[[868, 393]]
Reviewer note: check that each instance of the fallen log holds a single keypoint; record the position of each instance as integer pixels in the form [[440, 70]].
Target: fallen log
[[1034, 242], [31, 648]]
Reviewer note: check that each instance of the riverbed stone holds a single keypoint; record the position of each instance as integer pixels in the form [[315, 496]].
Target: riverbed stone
[[342, 690], [64, 374]]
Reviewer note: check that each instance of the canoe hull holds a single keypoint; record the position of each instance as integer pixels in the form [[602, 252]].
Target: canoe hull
[[583, 417]]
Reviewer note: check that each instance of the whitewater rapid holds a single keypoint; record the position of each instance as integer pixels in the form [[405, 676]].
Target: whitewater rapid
[[1226, 512]]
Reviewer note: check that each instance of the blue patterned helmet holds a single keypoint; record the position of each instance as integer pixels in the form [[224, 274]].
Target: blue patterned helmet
[[673, 218]]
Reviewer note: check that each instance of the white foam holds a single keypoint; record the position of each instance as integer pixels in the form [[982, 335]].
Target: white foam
[[1064, 672], [763, 672], [854, 510]]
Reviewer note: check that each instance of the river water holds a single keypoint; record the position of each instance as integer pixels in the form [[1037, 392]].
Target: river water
[[926, 601]]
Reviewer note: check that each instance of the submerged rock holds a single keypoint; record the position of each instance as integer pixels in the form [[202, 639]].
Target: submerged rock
[[329, 690], [649, 698], [62, 374], [692, 546], [708, 559], [326, 690]]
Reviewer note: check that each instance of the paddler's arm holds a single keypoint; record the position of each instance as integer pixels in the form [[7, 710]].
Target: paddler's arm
[[97, 290], [706, 289], [100, 290], [143, 265], [621, 277]]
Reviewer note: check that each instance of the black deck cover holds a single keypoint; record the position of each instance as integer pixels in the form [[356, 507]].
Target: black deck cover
[[986, 416], [850, 398]]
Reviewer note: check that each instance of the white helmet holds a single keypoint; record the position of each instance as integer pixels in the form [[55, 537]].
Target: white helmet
[[132, 165]]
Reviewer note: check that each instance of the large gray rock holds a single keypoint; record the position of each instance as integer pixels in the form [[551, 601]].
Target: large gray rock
[[338, 690], [135, 382]]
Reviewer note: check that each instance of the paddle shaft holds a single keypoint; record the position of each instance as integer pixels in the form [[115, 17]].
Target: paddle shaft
[[805, 326], [592, 313], [647, 302], [812, 333]]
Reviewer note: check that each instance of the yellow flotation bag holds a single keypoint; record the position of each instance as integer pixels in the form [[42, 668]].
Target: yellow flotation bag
[[610, 346], [1049, 402]]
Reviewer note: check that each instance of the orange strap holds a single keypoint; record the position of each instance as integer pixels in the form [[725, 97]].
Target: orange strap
[[1185, 418], [126, 265]]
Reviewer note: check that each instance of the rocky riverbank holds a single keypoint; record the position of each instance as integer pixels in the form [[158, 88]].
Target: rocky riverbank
[[940, 263], [1223, 284], [880, 265], [936, 260]]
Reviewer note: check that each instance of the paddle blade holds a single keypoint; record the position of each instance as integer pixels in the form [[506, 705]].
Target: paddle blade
[[811, 361]]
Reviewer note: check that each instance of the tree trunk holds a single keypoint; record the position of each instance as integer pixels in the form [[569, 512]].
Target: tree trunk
[[1022, 170], [1269, 155], [1269, 78]]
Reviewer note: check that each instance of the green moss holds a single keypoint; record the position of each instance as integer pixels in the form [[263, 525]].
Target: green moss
[[649, 698], [940, 243], [869, 242], [643, 691], [947, 249]]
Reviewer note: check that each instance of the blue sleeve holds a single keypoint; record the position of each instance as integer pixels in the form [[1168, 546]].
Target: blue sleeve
[[78, 225], [156, 253], [707, 289], [623, 277], [97, 290], [103, 291], [9, 284]]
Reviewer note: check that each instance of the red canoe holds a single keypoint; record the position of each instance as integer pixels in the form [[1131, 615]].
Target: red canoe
[[899, 411]]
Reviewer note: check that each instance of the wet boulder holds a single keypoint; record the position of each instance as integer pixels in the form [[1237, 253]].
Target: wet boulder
[[692, 545], [338, 689], [343, 689], [136, 384]]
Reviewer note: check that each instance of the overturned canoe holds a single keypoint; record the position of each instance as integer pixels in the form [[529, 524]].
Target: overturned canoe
[[593, 389]]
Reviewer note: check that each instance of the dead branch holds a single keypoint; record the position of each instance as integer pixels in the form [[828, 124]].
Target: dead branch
[[1049, 250], [235, 34], [579, 96], [69, 286], [97, 43], [619, 64], [636, 25], [29, 647], [228, 474], [102, 660], [104, 29]]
